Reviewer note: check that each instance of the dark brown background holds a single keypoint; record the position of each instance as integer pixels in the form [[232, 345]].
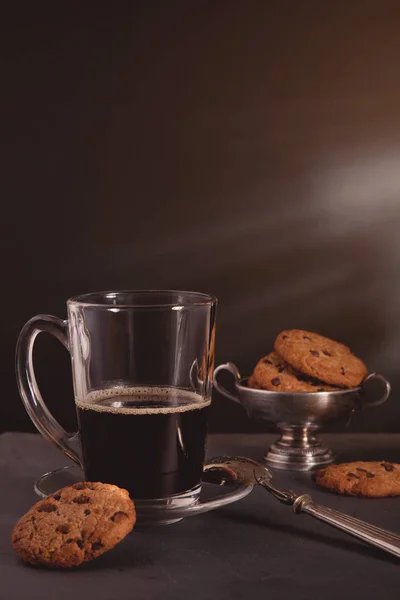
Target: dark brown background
[[249, 149]]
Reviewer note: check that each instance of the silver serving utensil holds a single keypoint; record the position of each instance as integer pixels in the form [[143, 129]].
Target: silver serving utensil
[[250, 472]]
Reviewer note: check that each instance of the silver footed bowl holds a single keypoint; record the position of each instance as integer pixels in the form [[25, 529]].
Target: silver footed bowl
[[299, 416]]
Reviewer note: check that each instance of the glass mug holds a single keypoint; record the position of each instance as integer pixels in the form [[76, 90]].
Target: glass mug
[[142, 365]]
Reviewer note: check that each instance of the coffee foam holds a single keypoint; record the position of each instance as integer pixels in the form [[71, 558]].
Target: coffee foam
[[93, 401]]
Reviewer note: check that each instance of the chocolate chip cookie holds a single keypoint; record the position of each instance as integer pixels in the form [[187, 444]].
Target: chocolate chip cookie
[[320, 357], [76, 524], [274, 374], [369, 479]]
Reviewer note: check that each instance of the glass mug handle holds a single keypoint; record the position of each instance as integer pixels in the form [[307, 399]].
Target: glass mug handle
[[28, 388]]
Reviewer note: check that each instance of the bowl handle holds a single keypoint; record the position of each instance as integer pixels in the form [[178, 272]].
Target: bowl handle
[[235, 372], [386, 392]]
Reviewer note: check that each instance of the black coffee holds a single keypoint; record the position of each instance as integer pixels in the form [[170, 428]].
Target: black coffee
[[149, 441]]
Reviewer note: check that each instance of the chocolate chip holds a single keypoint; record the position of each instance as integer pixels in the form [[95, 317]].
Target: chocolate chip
[[353, 475], [63, 528], [57, 497], [269, 362], [305, 337], [388, 467], [87, 512], [367, 473], [280, 369], [314, 352], [47, 508], [81, 500], [320, 390], [276, 381], [84, 485], [79, 543], [284, 337], [119, 516], [342, 370], [80, 486], [326, 353], [69, 541], [97, 545]]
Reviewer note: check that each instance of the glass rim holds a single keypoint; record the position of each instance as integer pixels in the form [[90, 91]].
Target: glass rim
[[192, 299]]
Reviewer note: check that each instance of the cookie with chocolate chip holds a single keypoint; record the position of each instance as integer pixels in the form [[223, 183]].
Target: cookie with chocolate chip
[[320, 357], [76, 524], [369, 479], [274, 374]]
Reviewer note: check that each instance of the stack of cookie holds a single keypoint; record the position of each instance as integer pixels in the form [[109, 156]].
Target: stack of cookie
[[307, 362]]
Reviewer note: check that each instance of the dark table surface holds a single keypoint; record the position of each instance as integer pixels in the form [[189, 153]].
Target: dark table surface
[[255, 548]]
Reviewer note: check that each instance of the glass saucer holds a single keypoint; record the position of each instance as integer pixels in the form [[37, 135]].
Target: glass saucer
[[218, 491]]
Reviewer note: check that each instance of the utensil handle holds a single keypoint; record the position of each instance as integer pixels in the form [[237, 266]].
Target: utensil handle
[[231, 368], [385, 392], [375, 536]]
